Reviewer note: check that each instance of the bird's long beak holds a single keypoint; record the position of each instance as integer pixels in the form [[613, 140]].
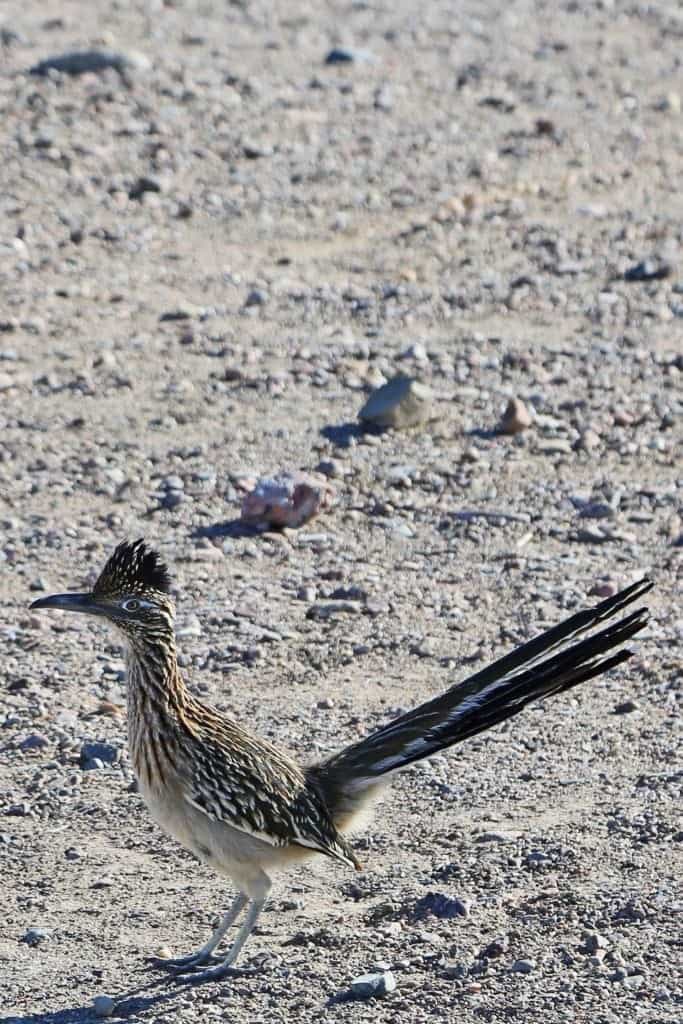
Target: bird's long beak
[[85, 603]]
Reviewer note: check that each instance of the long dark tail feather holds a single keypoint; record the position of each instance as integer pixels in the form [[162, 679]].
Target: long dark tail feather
[[550, 663]]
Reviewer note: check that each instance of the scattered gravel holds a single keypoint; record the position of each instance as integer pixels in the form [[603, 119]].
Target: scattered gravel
[[214, 253]]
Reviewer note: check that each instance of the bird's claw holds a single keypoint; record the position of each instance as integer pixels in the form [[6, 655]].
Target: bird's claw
[[217, 973], [183, 963]]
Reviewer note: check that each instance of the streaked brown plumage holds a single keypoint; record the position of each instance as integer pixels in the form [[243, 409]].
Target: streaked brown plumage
[[245, 807]]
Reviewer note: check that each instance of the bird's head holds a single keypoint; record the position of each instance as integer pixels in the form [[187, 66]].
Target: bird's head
[[132, 592]]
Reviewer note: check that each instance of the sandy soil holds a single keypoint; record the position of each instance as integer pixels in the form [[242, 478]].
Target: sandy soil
[[208, 258]]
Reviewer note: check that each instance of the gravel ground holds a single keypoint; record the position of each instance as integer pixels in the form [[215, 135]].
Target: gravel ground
[[211, 251]]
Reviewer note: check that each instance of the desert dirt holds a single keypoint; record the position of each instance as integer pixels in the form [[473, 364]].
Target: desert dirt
[[208, 259]]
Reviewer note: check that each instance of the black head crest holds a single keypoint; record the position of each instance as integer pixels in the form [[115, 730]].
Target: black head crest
[[133, 569]]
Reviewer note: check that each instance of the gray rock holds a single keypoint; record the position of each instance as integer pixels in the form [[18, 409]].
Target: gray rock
[[368, 985], [80, 62], [416, 351], [96, 755], [33, 742], [103, 1006], [558, 446], [401, 402], [648, 270], [596, 510], [329, 609], [592, 942], [455, 972], [495, 948], [172, 499], [256, 297], [523, 966], [330, 468], [34, 936], [441, 905], [146, 183], [348, 55], [173, 483], [625, 707]]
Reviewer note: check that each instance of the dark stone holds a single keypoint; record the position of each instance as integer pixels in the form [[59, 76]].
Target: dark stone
[[79, 62], [94, 755], [648, 270], [440, 905]]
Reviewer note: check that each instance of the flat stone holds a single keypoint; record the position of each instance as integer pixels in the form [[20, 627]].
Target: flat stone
[[348, 55], [368, 985], [330, 609], [81, 62], [401, 402], [33, 742]]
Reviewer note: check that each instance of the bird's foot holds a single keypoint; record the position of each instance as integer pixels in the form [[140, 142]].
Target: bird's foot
[[217, 973], [184, 963]]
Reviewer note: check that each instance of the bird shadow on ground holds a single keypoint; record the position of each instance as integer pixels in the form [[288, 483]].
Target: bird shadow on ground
[[130, 1004]]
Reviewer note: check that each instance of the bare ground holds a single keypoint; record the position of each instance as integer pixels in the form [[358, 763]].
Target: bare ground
[[206, 262]]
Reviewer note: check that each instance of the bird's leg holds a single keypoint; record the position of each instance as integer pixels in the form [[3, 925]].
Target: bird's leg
[[203, 955], [225, 968]]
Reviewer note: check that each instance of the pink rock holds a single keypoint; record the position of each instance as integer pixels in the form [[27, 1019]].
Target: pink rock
[[288, 499]]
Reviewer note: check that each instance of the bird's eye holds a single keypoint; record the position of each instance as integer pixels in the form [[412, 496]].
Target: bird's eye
[[131, 606]]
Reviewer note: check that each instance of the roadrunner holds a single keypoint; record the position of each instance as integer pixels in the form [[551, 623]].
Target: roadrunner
[[243, 806]]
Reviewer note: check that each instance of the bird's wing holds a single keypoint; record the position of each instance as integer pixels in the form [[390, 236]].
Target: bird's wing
[[250, 786]]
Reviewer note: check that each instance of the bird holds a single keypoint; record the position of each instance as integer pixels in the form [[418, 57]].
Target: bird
[[245, 807]]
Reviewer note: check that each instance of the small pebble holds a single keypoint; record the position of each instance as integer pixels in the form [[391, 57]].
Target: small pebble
[[329, 609], [441, 905], [495, 948], [516, 417], [523, 966], [34, 936], [347, 55], [626, 707], [602, 590], [592, 942], [256, 297], [95, 755]]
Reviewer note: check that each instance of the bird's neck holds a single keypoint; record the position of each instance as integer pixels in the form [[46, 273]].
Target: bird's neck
[[153, 677], [157, 701]]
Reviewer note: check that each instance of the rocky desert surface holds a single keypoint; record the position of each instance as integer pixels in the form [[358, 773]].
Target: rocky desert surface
[[222, 226]]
